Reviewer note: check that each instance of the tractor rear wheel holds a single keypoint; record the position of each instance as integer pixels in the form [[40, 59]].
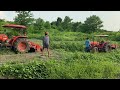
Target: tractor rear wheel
[[21, 46]]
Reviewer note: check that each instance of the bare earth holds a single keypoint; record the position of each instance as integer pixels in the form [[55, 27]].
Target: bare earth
[[27, 57]]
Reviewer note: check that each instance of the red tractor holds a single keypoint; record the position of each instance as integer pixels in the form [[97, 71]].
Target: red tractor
[[101, 45], [18, 43]]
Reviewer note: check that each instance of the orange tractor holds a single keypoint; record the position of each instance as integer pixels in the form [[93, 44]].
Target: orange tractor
[[18, 43], [101, 45]]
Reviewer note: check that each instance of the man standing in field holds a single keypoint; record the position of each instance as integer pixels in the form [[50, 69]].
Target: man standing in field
[[87, 45], [46, 42]]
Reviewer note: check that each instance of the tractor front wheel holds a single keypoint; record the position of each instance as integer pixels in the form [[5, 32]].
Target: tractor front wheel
[[21, 45]]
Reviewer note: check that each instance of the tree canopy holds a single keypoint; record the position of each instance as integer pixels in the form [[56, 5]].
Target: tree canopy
[[24, 18]]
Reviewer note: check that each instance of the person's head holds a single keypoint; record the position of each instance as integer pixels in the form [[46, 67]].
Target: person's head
[[46, 33], [87, 38]]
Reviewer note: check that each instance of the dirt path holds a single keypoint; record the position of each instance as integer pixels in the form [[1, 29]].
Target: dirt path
[[6, 55], [27, 57]]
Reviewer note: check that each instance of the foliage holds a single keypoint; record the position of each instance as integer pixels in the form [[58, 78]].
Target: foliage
[[68, 46], [74, 65], [47, 25], [24, 71], [92, 24], [38, 25], [67, 39], [2, 22], [24, 18], [76, 26], [67, 23]]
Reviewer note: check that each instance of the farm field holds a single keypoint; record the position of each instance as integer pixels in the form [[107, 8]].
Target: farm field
[[68, 60], [68, 33]]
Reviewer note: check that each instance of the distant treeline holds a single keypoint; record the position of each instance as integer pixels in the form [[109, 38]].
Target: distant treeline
[[90, 25]]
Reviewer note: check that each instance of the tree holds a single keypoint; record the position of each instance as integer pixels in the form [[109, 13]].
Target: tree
[[2, 22], [53, 25], [67, 23], [59, 21], [31, 29], [76, 26], [38, 25], [92, 24], [59, 24], [47, 25], [24, 18]]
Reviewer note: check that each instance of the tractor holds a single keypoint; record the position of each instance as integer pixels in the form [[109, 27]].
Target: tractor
[[101, 45], [19, 43]]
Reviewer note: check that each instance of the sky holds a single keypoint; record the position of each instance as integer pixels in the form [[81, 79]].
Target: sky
[[111, 19]]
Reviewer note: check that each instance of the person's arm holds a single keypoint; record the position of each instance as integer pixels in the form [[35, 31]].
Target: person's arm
[[49, 39], [89, 44]]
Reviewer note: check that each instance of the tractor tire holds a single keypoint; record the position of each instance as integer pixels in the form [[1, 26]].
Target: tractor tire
[[94, 50], [107, 48], [21, 46]]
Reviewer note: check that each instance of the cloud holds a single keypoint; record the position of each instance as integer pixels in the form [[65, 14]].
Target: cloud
[[2, 14], [7, 15]]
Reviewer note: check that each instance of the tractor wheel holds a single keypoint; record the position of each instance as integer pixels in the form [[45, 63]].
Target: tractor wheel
[[94, 49], [107, 48], [21, 46]]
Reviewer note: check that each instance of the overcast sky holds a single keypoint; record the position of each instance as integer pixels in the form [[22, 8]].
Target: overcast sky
[[111, 19]]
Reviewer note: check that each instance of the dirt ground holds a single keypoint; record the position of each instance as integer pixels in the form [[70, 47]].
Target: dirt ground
[[11, 57], [6, 55]]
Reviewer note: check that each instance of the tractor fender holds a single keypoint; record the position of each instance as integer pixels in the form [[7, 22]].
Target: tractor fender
[[15, 38]]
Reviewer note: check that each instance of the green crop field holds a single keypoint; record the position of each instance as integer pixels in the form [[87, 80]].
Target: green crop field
[[68, 60]]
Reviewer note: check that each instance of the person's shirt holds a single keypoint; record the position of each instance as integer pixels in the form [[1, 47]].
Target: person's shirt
[[87, 43], [46, 40]]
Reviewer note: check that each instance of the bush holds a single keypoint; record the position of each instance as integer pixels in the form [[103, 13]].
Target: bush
[[24, 71]]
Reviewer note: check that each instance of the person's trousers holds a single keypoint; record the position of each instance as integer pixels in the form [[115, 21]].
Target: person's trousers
[[87, 49]]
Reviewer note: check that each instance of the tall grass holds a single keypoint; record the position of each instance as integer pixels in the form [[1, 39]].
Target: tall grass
[[68, 46]]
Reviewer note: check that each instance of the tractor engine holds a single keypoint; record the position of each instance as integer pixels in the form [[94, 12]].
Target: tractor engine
[[3, 38]]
